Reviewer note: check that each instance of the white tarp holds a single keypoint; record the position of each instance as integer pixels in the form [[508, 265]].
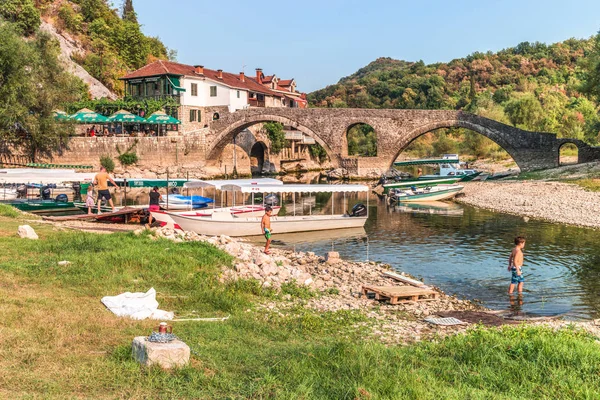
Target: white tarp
[[136, 305]]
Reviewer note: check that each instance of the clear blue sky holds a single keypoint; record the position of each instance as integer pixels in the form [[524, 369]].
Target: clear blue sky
[[319, 42]]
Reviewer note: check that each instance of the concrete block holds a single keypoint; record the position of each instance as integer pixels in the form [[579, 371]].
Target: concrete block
[[166, 355]]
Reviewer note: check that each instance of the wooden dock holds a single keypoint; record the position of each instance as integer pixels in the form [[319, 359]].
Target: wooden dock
[[127, 213], [400, 294]]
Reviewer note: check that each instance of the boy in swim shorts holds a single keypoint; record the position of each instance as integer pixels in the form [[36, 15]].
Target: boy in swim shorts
[[265, 226], [515, 265]]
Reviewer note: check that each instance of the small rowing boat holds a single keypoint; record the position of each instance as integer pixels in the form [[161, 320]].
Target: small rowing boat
[[433, 193]]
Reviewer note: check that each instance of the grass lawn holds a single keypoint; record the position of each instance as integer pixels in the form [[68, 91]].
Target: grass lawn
[[58, 341]]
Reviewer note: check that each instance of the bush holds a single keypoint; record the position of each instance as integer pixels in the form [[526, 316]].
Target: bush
[[72, 21], [108, 163], [128, 158], [276, 136], [318, 152], [8, 211]]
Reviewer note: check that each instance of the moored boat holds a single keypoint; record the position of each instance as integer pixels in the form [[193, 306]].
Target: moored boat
[[407, 183], [226, 223], [433, 193]]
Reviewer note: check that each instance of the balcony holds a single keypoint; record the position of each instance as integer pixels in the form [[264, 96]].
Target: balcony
[[159, 97], [256, 103]]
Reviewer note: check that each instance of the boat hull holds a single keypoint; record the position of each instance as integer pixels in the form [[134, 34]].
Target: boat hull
[[41, 206], [251, 226], [241, 211], [431, 196], [419, 183]]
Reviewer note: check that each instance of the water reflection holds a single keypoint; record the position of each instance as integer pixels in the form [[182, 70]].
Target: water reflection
[[466, 253]]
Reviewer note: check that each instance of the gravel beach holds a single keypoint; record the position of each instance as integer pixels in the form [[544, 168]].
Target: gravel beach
[[551, 201]]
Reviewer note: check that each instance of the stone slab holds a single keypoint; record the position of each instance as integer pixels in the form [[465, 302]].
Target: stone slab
[[166, 355]]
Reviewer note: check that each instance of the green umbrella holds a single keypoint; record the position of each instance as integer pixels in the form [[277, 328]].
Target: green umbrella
[[87, 116], [124, 116], [60, 115], [161, 118]]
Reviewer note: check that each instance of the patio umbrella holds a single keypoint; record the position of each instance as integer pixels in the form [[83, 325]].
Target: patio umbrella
[[60, 115], [161, 118], [87, 116], [124, 116]]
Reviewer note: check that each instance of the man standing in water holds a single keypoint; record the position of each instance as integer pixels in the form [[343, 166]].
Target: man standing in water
[[101, 181], [265, 226], [515, 265]]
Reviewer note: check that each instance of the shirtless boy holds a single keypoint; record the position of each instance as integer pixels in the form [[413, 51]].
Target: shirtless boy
[[265, 226], [515, 265]]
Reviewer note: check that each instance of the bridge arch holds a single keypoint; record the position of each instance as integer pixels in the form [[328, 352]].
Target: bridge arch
[[226, 135], [457, 123], [365, 128]]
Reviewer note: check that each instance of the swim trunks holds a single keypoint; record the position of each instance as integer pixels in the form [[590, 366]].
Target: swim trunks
[[267, 234], [103, 194], [515, 279]]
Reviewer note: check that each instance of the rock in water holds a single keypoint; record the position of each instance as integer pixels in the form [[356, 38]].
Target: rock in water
[[26, 231]]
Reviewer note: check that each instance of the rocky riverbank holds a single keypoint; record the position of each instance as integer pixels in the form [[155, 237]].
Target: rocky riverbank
[[332, 285], [551, 201]]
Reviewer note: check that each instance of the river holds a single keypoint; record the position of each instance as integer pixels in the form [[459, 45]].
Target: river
[[464, 251]]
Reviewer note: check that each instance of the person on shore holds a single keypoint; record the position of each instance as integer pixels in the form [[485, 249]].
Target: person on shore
[[101, 180], [89, 199], [515, 265], [155, 199], [265, 226]]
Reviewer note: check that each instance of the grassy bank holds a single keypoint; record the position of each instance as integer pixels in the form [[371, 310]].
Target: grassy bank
[[58, 341]]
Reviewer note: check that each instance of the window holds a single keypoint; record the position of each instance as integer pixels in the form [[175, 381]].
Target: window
[[193, 115], [213, 91], [238, 94], [194, 89]]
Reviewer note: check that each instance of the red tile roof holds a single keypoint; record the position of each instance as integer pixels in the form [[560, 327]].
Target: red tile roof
[[161, 67], [286, 82], [267, 79]]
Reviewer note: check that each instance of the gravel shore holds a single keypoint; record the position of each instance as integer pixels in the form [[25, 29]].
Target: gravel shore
[[551, 201]]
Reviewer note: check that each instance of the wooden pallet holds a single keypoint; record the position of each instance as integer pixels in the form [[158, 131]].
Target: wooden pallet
[[400, 294]]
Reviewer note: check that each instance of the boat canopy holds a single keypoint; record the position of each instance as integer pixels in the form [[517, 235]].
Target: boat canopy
[[296, 188], [46, 178], [218, 184]]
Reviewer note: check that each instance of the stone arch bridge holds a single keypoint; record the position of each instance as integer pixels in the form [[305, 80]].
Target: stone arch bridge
[[395, 129]]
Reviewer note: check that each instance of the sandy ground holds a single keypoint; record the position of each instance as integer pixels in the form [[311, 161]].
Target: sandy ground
[[551, 201]]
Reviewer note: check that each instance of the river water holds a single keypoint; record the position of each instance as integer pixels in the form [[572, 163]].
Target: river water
[[464, 251]]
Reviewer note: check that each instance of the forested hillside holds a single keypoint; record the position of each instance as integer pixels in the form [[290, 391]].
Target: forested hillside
[[534, 86], [34, 83]]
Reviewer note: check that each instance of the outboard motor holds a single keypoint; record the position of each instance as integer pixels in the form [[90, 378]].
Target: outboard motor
[[359, 210], [76, 191], [45, 193], [271, 199], [22, 191], [174, 190], [62, 198]]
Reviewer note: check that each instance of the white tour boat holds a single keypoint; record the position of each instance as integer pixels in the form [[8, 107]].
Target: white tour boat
[[164, 217], [225, 223]]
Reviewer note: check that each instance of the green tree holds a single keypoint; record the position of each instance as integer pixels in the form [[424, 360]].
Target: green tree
[[276, 136], [22, 13], [362, 141], [33, 84], [128, 13], [525, 112], [591, 77]]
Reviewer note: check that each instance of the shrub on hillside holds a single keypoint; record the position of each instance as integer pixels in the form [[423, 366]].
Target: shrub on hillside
[[108, 163], [128, 158]]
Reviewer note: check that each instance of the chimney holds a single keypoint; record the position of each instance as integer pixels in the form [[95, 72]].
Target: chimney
[[199, 69], [242, 77], [259, 75], [220, 71]]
